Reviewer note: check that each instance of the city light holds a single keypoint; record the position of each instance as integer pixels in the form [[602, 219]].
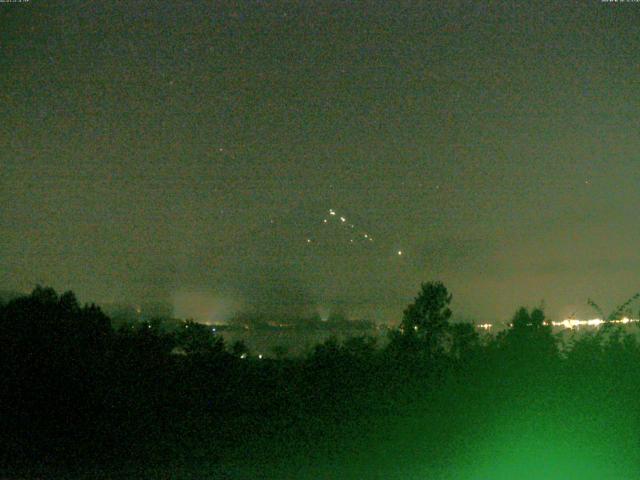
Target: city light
[[572, 323], [594, 322]]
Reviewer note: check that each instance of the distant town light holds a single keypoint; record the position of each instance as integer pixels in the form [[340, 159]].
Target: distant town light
[[571, 323]]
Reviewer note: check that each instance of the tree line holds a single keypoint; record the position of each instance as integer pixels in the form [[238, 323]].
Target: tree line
[[77, 392]]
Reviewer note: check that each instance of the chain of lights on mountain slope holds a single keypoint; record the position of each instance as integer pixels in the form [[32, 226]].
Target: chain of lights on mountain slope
[[358, 233]]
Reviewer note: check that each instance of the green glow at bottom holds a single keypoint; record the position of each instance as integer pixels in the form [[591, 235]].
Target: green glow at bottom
[[536, 447]]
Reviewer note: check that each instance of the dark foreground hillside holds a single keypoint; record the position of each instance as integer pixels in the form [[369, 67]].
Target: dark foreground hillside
[[80, 400]]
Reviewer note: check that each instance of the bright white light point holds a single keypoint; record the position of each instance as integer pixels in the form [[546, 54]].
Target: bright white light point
[[351, 240], [260, 356], [366, 236], [331, 212], [324, 221], [342, 219], [399, 252], [308, 240]]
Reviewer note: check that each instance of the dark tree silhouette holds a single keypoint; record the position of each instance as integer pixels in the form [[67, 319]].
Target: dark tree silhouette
[[464, 340], [362, 347], [196, 338], [280, 351], [239, 349], [427, 318], [52, 354], [529, 341]]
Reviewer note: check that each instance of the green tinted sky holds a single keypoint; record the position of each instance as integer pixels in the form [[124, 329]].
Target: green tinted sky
[[156, 147]]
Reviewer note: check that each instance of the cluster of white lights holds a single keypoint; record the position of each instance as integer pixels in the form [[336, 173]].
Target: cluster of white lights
[[343, 220], [573, 323], [594, 322], [356, 234]]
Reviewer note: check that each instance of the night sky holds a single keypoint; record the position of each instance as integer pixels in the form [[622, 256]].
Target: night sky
[[179, 151]]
